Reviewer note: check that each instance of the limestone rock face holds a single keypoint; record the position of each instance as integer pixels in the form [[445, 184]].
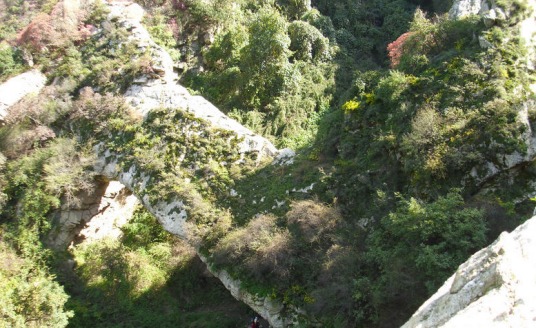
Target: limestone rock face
[[116, 207], [492, 14], [496, 287], [464, 8], [100, 214], [17, 87], [171, 214], [271, 310], [284, 156]]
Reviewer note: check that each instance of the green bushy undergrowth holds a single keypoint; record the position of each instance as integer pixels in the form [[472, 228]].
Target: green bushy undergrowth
[[145, 279], [447, 108]]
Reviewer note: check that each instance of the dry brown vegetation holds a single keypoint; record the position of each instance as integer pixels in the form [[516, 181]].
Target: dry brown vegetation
[[261, 245], [314, 221]]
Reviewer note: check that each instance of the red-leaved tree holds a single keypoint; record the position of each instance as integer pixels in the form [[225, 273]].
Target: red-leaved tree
[[38, 34], [62, 26], [396, 48]]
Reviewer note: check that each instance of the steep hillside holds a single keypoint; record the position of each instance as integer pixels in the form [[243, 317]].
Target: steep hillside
[[413, 131]]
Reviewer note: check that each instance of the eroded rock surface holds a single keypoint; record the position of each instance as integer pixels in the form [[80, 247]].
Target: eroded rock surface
[[17, 87], [269, 309], [464, 8], [524, 25], [496, 287], [116, 208], [99, 214]]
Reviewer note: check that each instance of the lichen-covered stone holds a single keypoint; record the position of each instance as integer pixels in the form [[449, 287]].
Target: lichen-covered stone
[[464, 8], [496, 287], [284, 156]]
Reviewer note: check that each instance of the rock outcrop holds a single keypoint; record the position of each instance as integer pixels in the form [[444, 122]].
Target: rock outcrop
[[17, 87], [496, 287], [464, 8], [100, 214], [492, 14], [116, 208], [267, 308]]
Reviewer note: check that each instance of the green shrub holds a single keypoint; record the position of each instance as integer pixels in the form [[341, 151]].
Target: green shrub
[[67, 172], [30, 297], [265, 59], [314, 222], [11, 62], [308, 43], [416, 248], [143, 230], [261, 247]]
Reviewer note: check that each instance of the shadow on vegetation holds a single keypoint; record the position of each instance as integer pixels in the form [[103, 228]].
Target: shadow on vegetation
[[162, 284]]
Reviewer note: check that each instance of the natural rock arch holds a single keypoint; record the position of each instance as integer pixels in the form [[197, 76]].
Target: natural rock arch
[[161, 90]]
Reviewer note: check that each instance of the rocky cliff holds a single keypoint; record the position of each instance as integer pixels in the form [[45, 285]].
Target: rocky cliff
[[517, 20], [100, 214], [496, 287]]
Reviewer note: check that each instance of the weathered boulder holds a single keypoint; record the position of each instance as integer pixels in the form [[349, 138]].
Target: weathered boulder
[[19, 86], [496, 287], [284, 156], [464, 8]]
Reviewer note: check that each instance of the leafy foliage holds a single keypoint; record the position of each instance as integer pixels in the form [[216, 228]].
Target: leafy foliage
[[416, 248], [149, 277], [11, 61], [30, 297]]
